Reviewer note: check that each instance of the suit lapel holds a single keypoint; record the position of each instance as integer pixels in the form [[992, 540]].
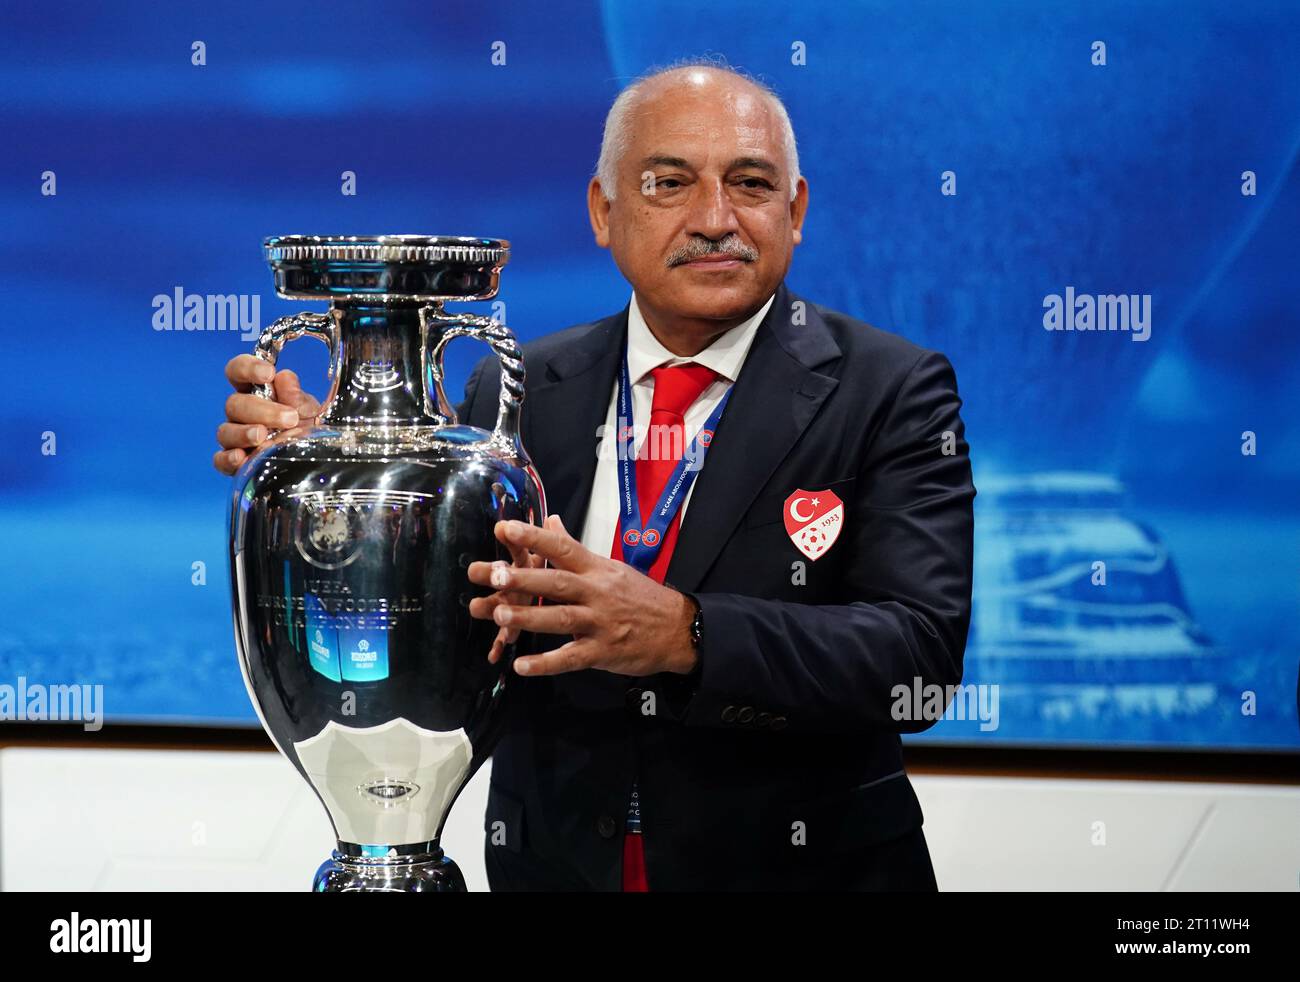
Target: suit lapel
[[772, 403]]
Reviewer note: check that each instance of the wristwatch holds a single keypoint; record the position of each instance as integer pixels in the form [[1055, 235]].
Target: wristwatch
[[697, 624], [680, 689], [692, 677]]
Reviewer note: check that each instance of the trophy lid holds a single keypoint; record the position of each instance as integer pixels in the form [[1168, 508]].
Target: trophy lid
[[386, 268]]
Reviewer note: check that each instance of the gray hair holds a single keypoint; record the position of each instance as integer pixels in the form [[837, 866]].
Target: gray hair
[[618, 131]]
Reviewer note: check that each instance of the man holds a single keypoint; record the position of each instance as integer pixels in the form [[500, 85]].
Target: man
[[711, 701]]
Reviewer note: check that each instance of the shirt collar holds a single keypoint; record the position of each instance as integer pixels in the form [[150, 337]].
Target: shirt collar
[[724, 356]]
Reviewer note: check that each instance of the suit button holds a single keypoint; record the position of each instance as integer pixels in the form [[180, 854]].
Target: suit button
[[606, 827], [779, 722], [746, 715], [762, 719], [729, 714]]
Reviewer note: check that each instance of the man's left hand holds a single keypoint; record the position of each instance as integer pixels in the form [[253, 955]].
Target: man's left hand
[[620, 619]]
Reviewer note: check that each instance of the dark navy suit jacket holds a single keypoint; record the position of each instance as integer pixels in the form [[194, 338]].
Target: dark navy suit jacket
[[780, 762]]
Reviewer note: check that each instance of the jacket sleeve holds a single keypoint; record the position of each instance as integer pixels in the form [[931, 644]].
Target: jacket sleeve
[[906, 592]]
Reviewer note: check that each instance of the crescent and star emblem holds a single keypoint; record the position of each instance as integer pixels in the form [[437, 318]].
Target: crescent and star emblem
[[813, 520], [794, 509]]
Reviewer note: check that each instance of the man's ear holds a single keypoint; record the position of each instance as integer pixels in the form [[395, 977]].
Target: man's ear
[[598, 212], [798, 209]]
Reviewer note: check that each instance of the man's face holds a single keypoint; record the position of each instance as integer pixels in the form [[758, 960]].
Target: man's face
[[702, 224]]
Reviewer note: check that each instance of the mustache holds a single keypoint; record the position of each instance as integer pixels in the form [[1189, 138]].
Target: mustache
[[698, 248]]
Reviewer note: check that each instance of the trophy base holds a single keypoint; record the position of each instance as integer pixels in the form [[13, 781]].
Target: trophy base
[[382, 869]]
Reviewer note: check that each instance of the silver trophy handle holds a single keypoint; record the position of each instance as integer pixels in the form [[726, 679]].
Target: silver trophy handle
[[502, 341], [323, 327]]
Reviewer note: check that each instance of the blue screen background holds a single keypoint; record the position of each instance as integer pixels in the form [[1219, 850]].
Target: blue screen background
[[1117, 179]]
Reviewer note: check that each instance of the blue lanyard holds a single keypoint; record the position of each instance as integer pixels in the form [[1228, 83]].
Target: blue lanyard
[[643, 540]]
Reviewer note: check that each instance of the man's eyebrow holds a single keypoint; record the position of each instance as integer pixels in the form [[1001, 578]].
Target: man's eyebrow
[[754, 163], [663, 160]]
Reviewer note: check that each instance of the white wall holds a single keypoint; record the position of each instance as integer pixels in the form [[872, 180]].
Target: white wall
[[207, 820]]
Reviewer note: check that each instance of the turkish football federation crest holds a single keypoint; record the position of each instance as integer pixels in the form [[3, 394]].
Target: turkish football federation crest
[[813, 520]]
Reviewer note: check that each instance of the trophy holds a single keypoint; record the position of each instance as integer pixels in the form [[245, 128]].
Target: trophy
[[350, 539]]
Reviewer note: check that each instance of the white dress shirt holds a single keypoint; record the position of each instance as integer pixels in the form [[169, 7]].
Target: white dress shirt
[[644, 354]]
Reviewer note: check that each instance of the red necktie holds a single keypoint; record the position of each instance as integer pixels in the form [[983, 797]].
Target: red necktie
[[676, 389]]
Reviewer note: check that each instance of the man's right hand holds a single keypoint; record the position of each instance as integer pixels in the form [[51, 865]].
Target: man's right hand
[[250, 418]]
